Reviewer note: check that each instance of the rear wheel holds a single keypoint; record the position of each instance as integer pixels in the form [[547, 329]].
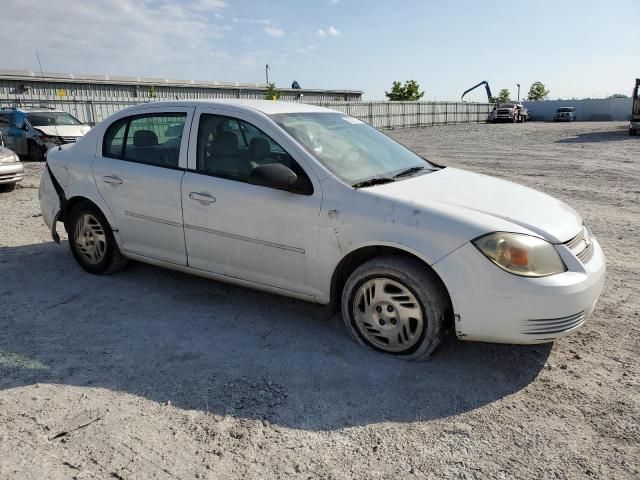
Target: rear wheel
[[7, 187], [92, 242], [395, 305], [633, 132], [36, 152]]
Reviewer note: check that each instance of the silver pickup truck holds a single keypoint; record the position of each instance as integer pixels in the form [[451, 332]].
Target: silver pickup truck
[[509, 112]]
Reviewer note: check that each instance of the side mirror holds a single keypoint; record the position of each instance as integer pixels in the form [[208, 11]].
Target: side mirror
[[273, 175]]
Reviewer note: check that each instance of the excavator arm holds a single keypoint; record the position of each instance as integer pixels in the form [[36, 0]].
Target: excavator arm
[[486, 86]]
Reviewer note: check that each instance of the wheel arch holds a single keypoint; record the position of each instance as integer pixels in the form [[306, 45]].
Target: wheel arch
[[72, 202], [357, 257]]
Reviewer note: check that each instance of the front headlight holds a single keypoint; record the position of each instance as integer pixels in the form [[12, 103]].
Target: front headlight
[[12, 158], [521, 254]]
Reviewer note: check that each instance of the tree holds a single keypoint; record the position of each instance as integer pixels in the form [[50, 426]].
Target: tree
[[538, 92], [618, 95], [409, 92], [271, 93], [504, 95]]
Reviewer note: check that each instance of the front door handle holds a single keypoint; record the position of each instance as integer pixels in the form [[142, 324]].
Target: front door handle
[[203, 198], [112, 180]]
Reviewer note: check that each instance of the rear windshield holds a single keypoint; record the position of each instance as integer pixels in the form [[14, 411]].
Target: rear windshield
[[43, 119]]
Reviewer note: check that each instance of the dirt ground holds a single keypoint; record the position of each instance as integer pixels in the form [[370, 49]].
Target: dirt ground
[[154, 374]]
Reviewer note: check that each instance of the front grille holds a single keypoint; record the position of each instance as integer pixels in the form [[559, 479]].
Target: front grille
[[504, 112], [69, 139], [581, 245], [549, 326], [575, 241], [11, 176], [585, 255]]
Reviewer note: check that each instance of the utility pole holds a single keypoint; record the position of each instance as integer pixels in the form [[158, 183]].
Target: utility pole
[[518, 92], [266, 72]]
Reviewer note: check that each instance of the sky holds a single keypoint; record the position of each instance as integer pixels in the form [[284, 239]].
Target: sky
[[578, 49]]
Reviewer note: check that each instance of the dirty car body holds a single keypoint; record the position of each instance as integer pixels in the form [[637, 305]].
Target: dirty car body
[[195, 196]]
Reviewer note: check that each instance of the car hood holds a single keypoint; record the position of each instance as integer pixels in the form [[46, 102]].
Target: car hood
[[538, 212], [64, 130]]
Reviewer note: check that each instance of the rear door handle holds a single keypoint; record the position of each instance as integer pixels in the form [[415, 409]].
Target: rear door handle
[[112, 180], [203, 198]]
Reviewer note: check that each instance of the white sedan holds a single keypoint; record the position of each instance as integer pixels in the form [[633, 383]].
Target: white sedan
[[314, 204]]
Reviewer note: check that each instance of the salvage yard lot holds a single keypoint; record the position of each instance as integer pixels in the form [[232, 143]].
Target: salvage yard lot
[[151, 373]]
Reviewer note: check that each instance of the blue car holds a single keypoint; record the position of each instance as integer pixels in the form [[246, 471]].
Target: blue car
[[31, 133]]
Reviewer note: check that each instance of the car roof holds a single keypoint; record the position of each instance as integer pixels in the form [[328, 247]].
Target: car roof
[[268, 107]]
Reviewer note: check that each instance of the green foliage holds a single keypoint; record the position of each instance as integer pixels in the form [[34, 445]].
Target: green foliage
[[152, 92], [271, 93], [538, 92], [409, 92], [504, 95], [618, 95]]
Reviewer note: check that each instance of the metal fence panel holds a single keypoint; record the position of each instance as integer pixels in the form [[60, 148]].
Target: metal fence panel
[[95, 104]]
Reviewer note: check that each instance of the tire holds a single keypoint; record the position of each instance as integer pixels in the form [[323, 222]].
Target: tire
[[36, 152], [392, 282], [7, 187], [633, 132], [92, 242]]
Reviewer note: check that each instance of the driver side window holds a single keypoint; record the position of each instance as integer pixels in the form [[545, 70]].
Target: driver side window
[[231, 148]]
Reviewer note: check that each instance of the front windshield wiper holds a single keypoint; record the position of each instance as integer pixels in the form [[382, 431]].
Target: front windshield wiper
[[373, 181], [408, 172]]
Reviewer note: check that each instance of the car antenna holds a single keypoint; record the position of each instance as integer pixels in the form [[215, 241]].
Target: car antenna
[[42, 76]]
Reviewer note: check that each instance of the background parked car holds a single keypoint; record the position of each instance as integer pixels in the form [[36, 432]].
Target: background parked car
[[32, 132], [11, 170], [565, 114]]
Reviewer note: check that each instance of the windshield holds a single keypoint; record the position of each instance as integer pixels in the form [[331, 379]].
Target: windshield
[[352, 150], [566, 109], [43, 119]]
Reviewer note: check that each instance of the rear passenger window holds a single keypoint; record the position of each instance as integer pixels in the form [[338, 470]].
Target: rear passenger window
[[114, 139], [151, 139]]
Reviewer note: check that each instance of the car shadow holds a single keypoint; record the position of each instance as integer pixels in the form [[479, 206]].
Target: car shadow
[[210, 346], [617, 135]]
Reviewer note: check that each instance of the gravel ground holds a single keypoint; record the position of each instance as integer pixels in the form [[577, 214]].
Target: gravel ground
[[151, 373]]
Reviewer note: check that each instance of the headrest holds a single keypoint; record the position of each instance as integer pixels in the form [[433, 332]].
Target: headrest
[[259, 147], [226, 143], [145, 138]]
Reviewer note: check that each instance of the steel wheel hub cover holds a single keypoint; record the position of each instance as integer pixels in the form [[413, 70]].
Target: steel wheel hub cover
[[388, 315], [90, 239]]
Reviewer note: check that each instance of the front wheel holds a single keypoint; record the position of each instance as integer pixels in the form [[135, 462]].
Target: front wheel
[[36, 152], [395, 305], [92, 242], [7, 187]]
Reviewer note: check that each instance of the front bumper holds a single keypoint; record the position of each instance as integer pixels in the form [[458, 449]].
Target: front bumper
[[495, 306], [11, 172]]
